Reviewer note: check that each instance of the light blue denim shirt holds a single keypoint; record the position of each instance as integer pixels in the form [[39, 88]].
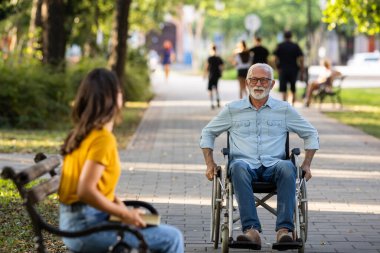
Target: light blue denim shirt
[[258, 136]]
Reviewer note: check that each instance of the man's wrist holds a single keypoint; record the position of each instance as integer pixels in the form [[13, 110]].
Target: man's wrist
[[211, 164]]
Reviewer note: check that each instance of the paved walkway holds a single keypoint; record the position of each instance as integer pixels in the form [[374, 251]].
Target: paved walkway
[[163, 164]]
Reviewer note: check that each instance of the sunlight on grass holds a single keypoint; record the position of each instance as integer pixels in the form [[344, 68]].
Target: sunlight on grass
[[141, 105], [49, 141], [368, 122], [30, 141], [361, 110]]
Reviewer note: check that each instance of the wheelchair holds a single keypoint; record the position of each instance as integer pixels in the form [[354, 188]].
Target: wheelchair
[[222, 204]]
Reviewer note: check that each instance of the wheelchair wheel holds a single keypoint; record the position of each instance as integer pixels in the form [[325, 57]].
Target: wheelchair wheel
[[225, 238], [304, 213], [303, 218], [215, 210]]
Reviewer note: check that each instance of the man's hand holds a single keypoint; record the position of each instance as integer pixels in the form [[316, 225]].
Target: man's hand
[[211, 171], [309, 154], [307, 172], [211, 165]]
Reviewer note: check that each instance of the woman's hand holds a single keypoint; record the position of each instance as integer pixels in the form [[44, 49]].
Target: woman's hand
[[133, 217]]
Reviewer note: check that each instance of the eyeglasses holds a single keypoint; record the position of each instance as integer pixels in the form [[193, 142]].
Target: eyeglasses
[[254, 80]]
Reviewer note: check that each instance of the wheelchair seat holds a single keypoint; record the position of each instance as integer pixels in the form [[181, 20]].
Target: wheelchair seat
[[264, 187]]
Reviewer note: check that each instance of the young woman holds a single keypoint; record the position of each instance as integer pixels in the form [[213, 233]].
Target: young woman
[[168, 57], [91, 170], [242, 61]]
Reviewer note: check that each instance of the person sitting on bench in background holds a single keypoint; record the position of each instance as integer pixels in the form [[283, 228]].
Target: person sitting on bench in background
[[258, 127], [91, 170], [325, 78]]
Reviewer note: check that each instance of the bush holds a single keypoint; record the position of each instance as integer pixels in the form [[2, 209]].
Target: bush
[[32, 96], [137, 81]]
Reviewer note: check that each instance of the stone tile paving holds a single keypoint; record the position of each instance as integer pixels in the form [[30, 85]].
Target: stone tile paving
[[164, 165]]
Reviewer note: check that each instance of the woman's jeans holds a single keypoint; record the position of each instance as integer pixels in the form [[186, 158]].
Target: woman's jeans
[[162, 238], [283, 174]]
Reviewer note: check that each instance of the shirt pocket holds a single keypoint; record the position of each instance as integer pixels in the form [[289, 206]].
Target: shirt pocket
[[275, 127], [242, 128]]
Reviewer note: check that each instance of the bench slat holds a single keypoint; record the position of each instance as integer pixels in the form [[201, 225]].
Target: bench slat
[[39, 169], [43, 190]]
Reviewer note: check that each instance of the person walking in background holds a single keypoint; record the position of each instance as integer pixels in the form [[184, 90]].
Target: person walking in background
[[259, 52], [168, 57], [242, 61], [91, 170], [325, 80], [289, 61], [214, 69]]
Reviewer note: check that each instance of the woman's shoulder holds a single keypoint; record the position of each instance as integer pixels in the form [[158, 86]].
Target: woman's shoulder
[[102, 135]]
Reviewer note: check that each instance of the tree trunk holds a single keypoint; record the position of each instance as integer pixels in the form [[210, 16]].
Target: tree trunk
[[118, 55], [54, 33], [35, 21]]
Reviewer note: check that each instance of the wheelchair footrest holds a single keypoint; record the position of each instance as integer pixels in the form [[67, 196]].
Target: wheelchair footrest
[[287, 245], [243, 245]]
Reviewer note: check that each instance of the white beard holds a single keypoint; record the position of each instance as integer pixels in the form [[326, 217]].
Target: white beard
[[258, 96]]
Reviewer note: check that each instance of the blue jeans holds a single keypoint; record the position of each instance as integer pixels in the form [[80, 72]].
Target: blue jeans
[[283, 174], [162, 238]]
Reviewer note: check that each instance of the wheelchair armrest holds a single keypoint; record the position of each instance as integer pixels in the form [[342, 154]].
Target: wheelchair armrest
[[225, 151], [296, 151], [138, 203]]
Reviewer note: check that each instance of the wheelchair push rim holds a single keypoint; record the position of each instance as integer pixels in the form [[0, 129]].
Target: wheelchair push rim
[[216, 207]]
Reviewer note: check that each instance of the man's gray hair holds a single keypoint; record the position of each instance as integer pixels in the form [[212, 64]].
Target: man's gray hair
[[265, 66]]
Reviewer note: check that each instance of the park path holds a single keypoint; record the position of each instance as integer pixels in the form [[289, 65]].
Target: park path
[[163, 164]]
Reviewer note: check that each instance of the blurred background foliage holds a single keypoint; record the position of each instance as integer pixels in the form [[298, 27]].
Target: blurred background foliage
[[39, 76]]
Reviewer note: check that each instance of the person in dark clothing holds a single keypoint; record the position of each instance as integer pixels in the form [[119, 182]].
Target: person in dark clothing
[[289, 61], [259, 52], [214, 68]]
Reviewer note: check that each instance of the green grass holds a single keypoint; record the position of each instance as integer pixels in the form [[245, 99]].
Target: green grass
[[362, 97], [369, 122], [229, 74], [16, 234], [361, 109], [49, 141]]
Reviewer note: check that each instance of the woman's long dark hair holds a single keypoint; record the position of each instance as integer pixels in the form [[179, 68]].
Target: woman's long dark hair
[[245, 54], [95, 105]]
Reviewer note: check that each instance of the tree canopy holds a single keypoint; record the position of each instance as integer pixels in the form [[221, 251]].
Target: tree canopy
[[363, 14]]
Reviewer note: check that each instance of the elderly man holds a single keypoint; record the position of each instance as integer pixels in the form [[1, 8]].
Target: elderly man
[[258, 126]]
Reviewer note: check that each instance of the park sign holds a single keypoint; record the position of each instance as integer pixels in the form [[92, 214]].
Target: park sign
[[252, 22]]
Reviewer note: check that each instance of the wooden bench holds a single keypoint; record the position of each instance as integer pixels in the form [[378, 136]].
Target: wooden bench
[[331, 90], [45, 174]]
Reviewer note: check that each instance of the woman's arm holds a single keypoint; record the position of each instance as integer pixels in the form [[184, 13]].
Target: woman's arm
[[89, 193]]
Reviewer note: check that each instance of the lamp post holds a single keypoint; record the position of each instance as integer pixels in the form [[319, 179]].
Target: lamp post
[[309, 28]]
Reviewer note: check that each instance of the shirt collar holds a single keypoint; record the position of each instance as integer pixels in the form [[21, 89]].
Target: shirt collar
[[270, 102]]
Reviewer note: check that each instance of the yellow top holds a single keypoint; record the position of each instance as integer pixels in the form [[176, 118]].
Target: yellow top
[[99, 146]]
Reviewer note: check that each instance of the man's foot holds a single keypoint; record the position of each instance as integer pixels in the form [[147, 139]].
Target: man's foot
[[250, 235], [212, 107], [283, 236], [218, 103]]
